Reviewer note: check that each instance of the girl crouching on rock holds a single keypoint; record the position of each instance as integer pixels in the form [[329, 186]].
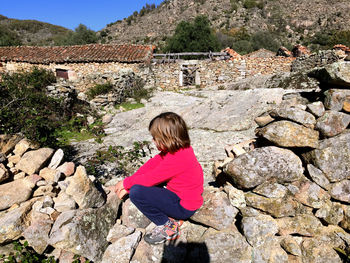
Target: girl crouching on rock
[[177, 167]]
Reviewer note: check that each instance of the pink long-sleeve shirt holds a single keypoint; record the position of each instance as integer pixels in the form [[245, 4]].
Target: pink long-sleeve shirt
[[181, 172]]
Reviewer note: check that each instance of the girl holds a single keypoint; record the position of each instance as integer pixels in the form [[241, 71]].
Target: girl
[[177, 167]]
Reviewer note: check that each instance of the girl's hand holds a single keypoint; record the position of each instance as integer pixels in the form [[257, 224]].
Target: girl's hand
[[119, 190]]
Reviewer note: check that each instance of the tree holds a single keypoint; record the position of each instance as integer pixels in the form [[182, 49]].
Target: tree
[[193, 37], [81, 35], [8, 37]]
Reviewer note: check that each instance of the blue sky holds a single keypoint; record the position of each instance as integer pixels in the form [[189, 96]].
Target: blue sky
[[95, 14]]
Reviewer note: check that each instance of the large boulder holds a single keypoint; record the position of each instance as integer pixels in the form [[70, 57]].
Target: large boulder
[[84, 231], [332, 157], [8, 142], [289, 134], [337, 74], [133, 217], [254, 168], [32, 161]]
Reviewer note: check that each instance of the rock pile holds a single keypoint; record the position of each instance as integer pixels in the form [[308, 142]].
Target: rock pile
[[284, 197]]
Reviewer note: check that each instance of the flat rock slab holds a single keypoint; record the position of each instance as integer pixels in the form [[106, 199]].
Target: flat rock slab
[[337, 73]]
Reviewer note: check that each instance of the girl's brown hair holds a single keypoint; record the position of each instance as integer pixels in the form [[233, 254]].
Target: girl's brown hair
[[170, 131]]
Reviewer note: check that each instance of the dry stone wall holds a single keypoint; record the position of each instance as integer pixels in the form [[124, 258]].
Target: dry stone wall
[[165, 75]]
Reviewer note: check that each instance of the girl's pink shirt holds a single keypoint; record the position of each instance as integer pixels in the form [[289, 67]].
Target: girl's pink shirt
[[181, 172]]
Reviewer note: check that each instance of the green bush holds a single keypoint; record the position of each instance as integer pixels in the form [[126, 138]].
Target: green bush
[[195, 36], [26, 108], [99, 89]]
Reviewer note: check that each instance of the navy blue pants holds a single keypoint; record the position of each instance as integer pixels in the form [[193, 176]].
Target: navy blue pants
[[158, 204]]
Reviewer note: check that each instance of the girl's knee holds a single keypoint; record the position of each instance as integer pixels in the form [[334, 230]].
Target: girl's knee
[[136, 192]]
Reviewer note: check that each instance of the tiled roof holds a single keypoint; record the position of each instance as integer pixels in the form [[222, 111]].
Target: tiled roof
[[75, 54]]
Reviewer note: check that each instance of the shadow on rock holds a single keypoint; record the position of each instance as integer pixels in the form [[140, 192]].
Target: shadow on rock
[[185, 252]]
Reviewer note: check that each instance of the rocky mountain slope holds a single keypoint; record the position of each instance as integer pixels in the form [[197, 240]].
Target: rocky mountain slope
[[292, 21], [31, 32]]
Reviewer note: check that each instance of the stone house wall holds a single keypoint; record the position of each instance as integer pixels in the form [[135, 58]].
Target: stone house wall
[[166, 75]]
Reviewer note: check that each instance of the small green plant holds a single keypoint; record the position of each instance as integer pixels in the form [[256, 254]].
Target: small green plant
[[128, 160], [99, 89], [130, 106], [25, 254]]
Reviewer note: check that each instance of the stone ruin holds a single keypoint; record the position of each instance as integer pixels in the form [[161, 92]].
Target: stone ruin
[[283, 196]]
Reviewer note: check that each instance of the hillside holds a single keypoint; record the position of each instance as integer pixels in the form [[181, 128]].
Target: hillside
[[289, 22], [29, 32]]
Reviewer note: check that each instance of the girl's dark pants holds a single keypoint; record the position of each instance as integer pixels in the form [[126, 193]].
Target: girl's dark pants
[[158, 204]]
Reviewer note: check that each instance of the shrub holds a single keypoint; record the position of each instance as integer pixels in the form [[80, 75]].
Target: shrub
[[26, 108], [8, 37], [99, 89], [80, 36]]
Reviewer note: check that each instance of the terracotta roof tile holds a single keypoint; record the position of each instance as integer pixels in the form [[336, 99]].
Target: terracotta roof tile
[[76, 54]]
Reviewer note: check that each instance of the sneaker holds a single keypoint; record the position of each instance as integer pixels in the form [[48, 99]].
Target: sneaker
[[178, 222], [160, 234]]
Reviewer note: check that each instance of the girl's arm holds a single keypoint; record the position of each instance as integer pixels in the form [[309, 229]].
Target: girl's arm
[[150, 177]]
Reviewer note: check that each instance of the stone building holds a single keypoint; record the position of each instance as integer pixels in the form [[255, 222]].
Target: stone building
[[87, 65]]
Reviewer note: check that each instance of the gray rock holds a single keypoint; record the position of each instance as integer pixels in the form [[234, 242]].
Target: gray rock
[[84, 231], [332, 157], [334, 99], [259, 229], [132, 217], [253, 168], [17, 191], [277, 207], [305, 225], [118, 231], [216, 210], [296, 115], [122, 250], [270, 251], [345, 223], [318, 176], [83, 191], [227, 246], [317, 59], [32, 161], [316, 108], [13, 222], [271, 190], [310, 194], [332, 123], [64, 202], [341, 191], [331, 212], [334, 74], [235, 196], [289, 134], [291, 245], [314, 251]]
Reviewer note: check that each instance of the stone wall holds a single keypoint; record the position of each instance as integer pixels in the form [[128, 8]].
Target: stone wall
[[166, 75]]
